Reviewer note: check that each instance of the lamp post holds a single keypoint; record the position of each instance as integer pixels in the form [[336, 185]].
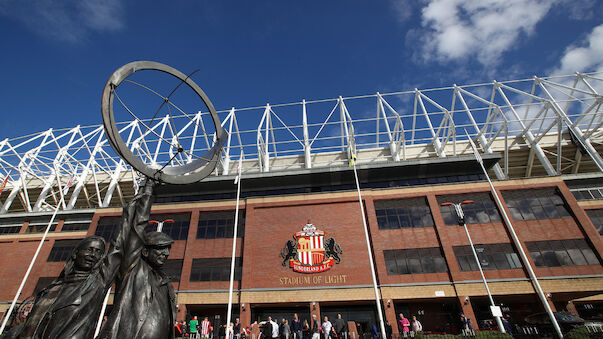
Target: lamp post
[[160, 223], [461, 221]]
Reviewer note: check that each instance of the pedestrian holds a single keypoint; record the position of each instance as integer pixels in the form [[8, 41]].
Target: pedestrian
[[178, 329], [205, 328], [507, 324], [184, 328], [286, 329], [222, 332], [416, 326], [315, 327], [266, 329], [403, 326], [326, 327], [274, 328], [388, 330], [237, 329], [340, 327], [466, 325], [306, 329], [296, 327], [374, 332], [192, 328]]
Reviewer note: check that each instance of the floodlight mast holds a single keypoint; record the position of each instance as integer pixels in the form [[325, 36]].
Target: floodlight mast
[[461, 221]]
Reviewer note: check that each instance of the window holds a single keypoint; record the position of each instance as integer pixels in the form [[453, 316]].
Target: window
[[553, 253], [177, 230], [10, 225], [42, 283], [214, 269], [536, 204], [173, 269], [482, 210], [214, 225], [417, 260], [39, 224], [108, 228], [62, 249], [596, 216], [491, 257], [403, 213], [76, 222]]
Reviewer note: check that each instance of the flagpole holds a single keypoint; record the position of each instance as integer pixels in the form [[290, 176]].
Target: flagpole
[[234, 247], [516, 241], [31, 264], [369, 250]]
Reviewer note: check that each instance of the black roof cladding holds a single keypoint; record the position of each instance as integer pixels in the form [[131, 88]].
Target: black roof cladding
[[319, 177]]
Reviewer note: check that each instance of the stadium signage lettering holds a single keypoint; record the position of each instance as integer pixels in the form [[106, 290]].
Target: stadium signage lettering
[[318, 279]]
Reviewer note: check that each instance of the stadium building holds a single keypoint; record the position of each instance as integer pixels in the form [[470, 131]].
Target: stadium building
[[301, 246]]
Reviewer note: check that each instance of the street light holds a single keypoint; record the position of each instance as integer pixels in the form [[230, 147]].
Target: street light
[[461, 221], [160, 223]]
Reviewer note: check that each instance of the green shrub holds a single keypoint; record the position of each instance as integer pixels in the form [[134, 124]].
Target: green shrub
[[582, 333]]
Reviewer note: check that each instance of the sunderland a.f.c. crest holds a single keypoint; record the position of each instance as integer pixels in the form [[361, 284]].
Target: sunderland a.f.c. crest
[[310, 251]]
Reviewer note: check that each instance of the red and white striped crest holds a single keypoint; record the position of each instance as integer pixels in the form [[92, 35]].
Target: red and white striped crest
[[310, 250]]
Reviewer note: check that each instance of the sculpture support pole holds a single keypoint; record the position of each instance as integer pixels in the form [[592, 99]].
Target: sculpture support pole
[[234, 247], [99, 323], [31, 264]]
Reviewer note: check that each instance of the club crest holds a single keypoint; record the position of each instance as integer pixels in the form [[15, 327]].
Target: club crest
[[310, 251]]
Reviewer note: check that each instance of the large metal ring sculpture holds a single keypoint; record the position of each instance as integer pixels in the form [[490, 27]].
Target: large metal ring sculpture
[[190, 172]]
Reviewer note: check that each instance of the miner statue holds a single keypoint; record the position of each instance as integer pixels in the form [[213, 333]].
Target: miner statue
[[145, 303], [70, 306]]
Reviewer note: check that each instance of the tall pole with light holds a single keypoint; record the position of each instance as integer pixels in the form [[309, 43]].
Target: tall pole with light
[[517, 243], [496, 313]]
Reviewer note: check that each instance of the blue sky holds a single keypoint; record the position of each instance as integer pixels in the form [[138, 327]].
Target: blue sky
[[57, 55]]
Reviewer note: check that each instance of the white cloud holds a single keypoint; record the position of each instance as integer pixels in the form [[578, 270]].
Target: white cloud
[[68, 20], [485, 29], [585, 56]]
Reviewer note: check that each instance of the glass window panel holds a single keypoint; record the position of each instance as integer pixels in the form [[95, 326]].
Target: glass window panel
[[591, 258], [538, 259], [500, 260], [577, 256], [550, 259], [564, 258], [414, 265]]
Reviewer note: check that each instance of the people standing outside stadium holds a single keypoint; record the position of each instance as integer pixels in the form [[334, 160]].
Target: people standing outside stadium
[[340, 326], [403, 325], [285, 329], [237, 329], [274, 328], [192, 327], [326, 327], [315, 327], [205, 328], [296, 327], [416, 325]]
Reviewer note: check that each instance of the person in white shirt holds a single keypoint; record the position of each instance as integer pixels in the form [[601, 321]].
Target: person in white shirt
[[274, 328], [326, 327]]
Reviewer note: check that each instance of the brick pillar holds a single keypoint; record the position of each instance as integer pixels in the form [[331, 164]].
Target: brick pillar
[[315, 309], [245, 314], [390, 314], [467, 309], [181, 312], [571, 308]]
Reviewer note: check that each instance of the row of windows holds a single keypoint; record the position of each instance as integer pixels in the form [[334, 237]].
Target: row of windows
[[523, 204], [553, 253], [573, 252], [211, 225], [215, 269], [491, 257], [411, 261], [62, 249]]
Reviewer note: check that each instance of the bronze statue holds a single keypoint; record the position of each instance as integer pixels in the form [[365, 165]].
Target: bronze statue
[[70, 306], [145, 303]]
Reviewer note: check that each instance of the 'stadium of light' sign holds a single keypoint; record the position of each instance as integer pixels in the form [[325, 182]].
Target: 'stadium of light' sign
[[310, 251]]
